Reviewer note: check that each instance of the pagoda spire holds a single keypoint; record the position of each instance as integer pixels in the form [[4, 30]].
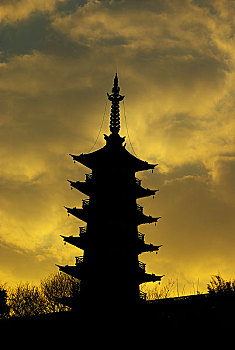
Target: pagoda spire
[[115, 98]]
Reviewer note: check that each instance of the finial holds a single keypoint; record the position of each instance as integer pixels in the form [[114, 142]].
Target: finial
[[115, 88], [115, 98]]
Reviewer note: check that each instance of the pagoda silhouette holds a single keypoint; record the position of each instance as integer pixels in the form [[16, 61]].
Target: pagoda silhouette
[[109, 270]]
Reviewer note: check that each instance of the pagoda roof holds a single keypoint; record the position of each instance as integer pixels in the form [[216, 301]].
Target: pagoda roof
[[82, 186], [78, 213], [87, 188], [112, 153], [144, 192], [144, 219], [144, 247], [147, 277], [76, 241], [72, 270]]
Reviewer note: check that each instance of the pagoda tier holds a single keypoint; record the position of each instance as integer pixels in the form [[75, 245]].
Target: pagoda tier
[[143, 277], [144, 247], [73, 270], [147, 277], [82, 186], [88, 187], [108, 154], [144, 219], [77, 241], [79, 271], [144, 192], [80, 242], [149, 248], [83, 214]]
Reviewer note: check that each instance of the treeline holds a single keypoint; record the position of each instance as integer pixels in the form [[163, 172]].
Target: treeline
[[26, 299]]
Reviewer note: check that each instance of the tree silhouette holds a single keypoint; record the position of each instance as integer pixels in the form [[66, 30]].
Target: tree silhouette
[[27, 300], [218, 285], [166, 290], [4, 308], [57, 286]]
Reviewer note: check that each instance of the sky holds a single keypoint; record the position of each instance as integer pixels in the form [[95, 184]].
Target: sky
[[176, 65]]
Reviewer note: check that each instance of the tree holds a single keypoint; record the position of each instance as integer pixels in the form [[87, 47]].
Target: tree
[[218, 285], [4, 308], [27, 300], [59, 285], [165, 290]]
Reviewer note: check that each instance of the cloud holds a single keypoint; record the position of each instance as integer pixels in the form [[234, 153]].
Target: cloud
[[196, 230], [171, 52], [223, 178], [14, 11], [26, 36], [27, 264], [175, 61], [34, 33]]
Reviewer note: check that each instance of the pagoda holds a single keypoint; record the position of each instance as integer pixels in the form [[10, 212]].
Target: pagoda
[[109, 270]]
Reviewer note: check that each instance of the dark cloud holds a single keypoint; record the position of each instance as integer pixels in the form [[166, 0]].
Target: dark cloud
[[24, 37], [35, 33], [67, 7], [223, 176]]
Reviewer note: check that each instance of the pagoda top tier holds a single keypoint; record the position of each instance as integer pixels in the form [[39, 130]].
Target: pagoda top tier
[[114, 152], [109, 155]]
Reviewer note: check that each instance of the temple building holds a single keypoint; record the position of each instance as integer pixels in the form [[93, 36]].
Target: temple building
[[109, 270]]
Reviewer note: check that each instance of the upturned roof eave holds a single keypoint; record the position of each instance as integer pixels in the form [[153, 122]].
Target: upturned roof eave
[[81, 186], [144, 192], [104, 155]]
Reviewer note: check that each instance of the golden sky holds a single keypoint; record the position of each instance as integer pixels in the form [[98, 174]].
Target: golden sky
[[176, 66]]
